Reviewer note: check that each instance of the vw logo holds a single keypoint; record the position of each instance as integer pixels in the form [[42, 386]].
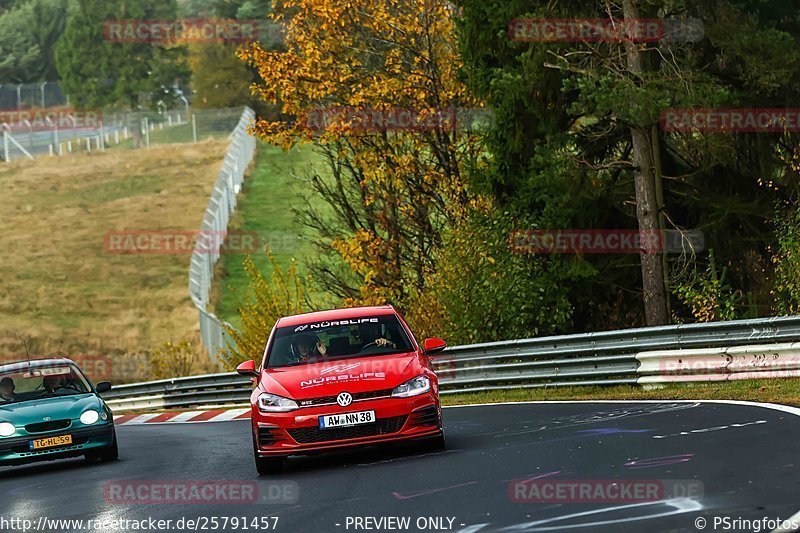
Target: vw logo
[[46, 419], [344, 399]]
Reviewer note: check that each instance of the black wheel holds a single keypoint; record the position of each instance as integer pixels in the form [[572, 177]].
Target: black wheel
[[109, 453], [266, 465], [436, 444]]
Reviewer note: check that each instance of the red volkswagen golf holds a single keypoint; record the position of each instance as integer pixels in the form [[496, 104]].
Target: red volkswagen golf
[[342, 378]]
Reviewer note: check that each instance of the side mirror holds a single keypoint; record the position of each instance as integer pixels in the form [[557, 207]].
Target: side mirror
[[433, 345], [248, 368], [103, 386]]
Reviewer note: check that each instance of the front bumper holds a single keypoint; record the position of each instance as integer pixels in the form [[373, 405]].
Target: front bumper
[[298, 432], [16, 450]]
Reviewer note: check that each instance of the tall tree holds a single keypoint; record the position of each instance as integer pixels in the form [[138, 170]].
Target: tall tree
[[390, 190], [591, 110], [28, 35], [97, 72]]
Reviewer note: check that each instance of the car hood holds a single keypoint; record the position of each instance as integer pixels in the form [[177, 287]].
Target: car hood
[[57, 408], [329, 378]]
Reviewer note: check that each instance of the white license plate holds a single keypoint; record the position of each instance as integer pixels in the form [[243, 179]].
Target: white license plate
[[346, 419]]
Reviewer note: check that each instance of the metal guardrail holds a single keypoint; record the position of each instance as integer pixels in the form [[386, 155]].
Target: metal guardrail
[[220, 208], [604, 358]]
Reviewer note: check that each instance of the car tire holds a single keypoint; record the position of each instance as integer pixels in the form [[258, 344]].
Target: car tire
[[266, 465], [436, 444], [107, 454]]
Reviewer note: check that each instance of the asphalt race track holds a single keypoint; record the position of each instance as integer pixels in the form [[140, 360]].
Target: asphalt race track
[[743, 457]]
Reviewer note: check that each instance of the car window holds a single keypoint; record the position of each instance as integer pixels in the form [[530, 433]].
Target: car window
[[50, 381], [354, 337]]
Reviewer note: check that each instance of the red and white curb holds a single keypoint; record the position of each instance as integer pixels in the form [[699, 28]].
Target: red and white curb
[[185, 417]]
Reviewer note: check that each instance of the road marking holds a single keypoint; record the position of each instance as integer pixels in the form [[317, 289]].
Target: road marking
[[432, 491]]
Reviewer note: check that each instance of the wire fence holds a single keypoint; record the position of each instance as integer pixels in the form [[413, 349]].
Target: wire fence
[[220, 208], [58, 131], [32, 95]]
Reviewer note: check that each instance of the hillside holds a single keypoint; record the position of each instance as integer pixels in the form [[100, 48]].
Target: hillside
[[62, 290]]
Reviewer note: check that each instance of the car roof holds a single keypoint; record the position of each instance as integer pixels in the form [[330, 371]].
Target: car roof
[[34, 363], [336, 314]]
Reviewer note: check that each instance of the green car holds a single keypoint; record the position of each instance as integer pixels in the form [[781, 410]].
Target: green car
[[50, 410]]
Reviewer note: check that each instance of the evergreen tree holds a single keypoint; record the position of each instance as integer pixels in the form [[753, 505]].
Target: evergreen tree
[[96, 72]]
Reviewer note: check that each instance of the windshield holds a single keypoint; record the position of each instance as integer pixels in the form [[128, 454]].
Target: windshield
[[32, 384], [321, 341]]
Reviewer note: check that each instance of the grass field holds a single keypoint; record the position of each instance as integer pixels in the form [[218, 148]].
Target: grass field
[[272, 189], [61, 289]]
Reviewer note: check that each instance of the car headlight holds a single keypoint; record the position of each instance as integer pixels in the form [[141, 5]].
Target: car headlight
[[90, 417], [412, 387], [271, 403], [7, 429]]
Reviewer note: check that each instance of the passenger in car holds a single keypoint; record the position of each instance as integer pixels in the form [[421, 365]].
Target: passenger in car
[[7, 390], [308, 348]]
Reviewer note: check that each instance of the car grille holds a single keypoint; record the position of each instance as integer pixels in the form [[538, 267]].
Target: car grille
[[427, 416], [327, 400], [51, 425], [382, 426]]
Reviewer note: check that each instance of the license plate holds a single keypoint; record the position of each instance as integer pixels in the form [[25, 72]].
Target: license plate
[[50, 442], [346, 419]]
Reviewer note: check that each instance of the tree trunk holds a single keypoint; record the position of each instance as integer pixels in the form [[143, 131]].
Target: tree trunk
[[647, 210]]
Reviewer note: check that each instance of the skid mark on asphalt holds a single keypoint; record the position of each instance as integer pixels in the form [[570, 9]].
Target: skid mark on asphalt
[[598, 416], [405, 458], [432, 491], [611, 431], [709, 430], [538, 476], [660, 461]]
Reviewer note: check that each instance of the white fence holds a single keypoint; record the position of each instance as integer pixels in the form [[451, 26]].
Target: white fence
[[59, 132], [215, 221]]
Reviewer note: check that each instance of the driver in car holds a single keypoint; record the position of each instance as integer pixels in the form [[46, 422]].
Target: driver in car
[[54, 383], [7, 390], [308, 348], [370, 333]]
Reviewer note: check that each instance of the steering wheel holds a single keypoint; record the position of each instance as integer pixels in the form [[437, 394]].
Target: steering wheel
[[373, 343]]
